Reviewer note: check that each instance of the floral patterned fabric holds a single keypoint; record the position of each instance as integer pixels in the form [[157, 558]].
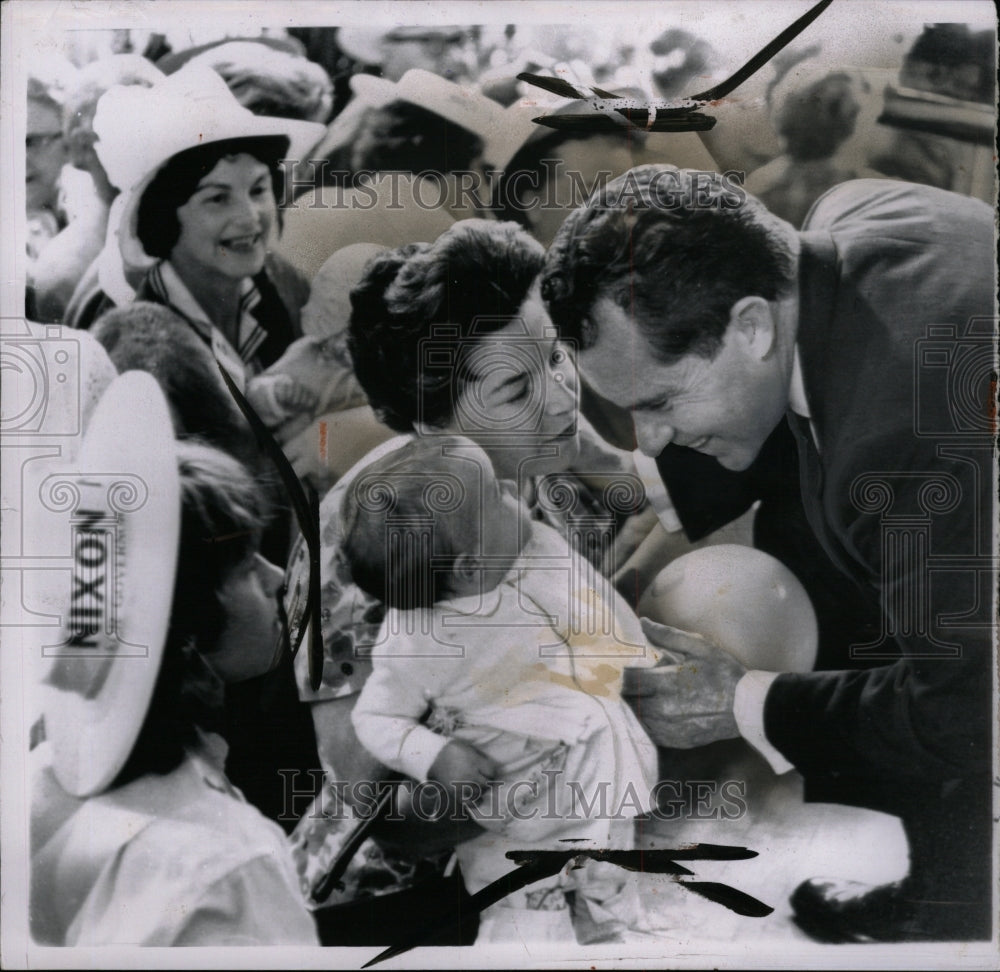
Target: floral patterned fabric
[[588, 505], [602, 491]]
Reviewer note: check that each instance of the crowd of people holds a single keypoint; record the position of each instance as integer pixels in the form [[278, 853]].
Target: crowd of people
[[439, 407]]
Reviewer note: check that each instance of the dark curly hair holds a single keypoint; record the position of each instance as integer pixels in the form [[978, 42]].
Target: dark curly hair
[[675, 249], [470, 282], [157, 225]]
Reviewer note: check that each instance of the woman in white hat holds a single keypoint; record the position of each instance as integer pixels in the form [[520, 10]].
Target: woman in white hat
[[137, 836], [200, 175]]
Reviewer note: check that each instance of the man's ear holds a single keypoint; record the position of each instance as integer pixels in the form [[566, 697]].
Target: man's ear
[[752, 319]]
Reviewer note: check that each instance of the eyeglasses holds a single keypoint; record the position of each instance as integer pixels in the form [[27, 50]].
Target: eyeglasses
[[39, 140], [435, 41]]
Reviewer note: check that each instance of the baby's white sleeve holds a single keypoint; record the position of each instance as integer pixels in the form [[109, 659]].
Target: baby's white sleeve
[[387, 719]]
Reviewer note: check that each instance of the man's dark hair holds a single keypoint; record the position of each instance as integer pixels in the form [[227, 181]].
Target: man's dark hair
[[674, 249], [157, 225], [473, 279]]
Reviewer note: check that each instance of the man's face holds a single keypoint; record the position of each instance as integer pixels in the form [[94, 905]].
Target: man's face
[[45, 154], [448, 51], [724, 407]]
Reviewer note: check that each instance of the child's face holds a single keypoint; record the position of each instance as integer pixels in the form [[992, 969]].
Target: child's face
[[495, 527]]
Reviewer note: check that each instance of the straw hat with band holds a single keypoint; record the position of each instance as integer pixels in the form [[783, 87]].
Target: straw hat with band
[[501, 129], [123, 512], [140, 129]]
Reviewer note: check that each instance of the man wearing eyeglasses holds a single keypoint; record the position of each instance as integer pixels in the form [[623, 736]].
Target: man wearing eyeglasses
[[450, 52], [45, 155]]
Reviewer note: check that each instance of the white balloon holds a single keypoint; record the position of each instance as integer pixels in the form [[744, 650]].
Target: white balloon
[[742, 600]]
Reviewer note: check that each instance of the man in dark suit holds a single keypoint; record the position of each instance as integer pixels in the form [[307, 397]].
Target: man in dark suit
[[872, 331]]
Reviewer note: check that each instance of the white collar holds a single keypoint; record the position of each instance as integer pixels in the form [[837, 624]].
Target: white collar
[[171, 288], [797, 401]]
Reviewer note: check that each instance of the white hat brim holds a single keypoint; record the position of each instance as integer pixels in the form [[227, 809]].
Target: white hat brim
[[140, 129], [129, 442], [465, 107]]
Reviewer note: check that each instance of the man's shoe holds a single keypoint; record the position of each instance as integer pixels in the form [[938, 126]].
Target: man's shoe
[[837, 911]]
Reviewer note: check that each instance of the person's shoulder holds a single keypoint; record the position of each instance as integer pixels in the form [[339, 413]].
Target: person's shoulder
[[211, 832], [889, 205], [196, 881]]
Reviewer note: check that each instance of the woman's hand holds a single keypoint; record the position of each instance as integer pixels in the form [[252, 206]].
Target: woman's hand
[[410, 831], [686, 700], [632, 534], [464, 771], [329, 445], [294, 395]]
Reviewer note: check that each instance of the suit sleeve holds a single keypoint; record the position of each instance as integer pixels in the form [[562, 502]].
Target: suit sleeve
[[926, 716]]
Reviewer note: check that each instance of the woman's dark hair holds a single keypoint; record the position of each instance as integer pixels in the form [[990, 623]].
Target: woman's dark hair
[[220, 527], [144, 336], [402, 137], [537, 158], [405, 137], [673, 248], [419, 306], [157, 225]]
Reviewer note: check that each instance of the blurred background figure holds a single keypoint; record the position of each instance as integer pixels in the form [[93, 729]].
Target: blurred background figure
[[334, 408], [392, 173], [942, 112], [681, 60], [49, 81], [66, 259], [270, 81], [814, 111], [450, 51]]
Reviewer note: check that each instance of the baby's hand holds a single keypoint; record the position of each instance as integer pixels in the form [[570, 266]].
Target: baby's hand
[[293, 395], [464, 769]]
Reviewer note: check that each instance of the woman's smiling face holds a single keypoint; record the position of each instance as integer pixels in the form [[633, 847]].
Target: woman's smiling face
[[227, 222], [522, 394]]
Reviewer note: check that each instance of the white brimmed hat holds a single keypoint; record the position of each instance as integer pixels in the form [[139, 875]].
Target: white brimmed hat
[[140, 129], [122, 514]]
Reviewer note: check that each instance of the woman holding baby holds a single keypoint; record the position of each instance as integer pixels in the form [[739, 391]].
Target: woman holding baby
[[452, 339]]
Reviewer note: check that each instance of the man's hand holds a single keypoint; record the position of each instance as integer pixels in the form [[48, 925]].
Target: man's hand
[[464, 770], [688, 701]]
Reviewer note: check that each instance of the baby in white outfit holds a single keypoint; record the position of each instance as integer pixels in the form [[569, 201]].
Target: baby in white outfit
[[499, 665]]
